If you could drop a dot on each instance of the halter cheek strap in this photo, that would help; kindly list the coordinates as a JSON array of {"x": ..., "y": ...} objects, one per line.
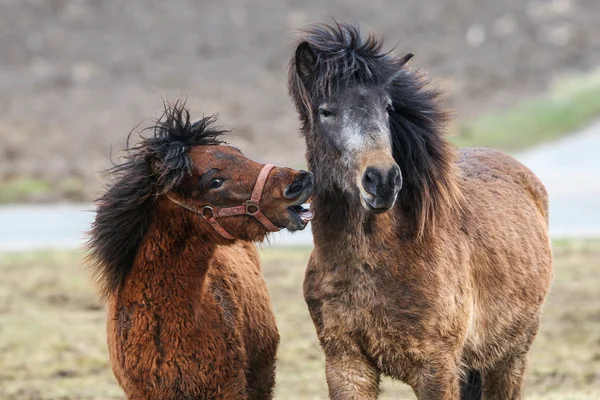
[{"x": 250, "y": 207}]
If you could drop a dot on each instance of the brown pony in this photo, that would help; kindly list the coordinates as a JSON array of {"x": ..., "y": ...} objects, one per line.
[
  {"x": 430, "y": 264},
  {"x": 189, "y": 316}
]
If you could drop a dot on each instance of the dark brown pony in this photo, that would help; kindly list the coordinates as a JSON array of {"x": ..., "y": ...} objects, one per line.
[
  {"x": 430, "y": 264},
  {"x": 189, "y": 316}
]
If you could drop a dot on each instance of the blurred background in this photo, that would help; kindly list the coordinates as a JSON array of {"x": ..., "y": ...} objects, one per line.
[{"x": 76, "y": 76}]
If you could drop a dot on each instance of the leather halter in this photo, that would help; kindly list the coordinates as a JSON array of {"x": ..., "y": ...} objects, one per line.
[{"x": 249, "y": 207}]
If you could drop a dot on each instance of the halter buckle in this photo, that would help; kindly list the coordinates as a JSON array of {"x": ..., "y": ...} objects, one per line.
[
  {"x": 251, "y": 207},
  {"x": 207, "y": 212}
]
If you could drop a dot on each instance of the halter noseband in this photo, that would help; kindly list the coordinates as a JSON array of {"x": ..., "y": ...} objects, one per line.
[{"x": 250, "y": 207}]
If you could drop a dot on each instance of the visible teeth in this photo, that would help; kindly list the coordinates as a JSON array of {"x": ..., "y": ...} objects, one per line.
[
  {"x": 303, "y": 212},
  {"x": 305, "y": 215}
]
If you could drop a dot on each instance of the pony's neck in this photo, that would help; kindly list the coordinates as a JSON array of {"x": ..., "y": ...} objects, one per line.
[
  {"x": 341, "y": 222},
  {"x": 173, "y": 259}
]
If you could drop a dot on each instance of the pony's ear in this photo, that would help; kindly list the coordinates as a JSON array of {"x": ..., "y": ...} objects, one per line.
[
  {"x": 401, "y": 62},
  {"x": 406, "y": 58},
  {"x": 306, "y": 61}
]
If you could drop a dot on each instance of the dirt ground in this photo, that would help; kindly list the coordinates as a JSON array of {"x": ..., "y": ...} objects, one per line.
[
  {"x": 53, "y": 342},
  {"x": 77, "y": 75}
]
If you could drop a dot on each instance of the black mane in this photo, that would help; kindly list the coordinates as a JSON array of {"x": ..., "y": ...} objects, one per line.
[
  {"x": 156, "y": 165},
  {"x": 342, "y": 57}
]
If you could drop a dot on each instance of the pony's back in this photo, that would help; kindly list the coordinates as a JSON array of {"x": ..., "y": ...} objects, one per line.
[{"x": 506, "y": 217}]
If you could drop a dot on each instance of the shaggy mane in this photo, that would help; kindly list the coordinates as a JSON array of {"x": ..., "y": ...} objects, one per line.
[
  {"x": 427, "y": 160},
  {"x": 154, "y": 166}
]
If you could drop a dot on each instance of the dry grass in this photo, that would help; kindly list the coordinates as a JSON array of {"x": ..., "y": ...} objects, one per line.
[{"x": 52, "y": 337}]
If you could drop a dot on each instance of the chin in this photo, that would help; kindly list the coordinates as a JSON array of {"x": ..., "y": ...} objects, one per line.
[
  {"x": 296, "y": 224},
  {"x": 366, "y": 204},
  {"x": 293, "y": 227}
]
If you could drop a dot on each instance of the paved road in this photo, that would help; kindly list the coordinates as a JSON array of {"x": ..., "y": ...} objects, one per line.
[
  {"x": 570, "y": 169},
  {"x": 24, "y": 227}
]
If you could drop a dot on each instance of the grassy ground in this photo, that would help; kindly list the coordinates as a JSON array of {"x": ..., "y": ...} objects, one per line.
[
  {"x": 35, "y": 189},
  {"x": 568, "y": 105},
  {"x": 52, "y": 338}
]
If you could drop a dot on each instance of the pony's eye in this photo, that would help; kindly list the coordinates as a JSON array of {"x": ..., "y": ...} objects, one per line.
[
  {"x": 215, "y": 183},
  {"x": 324, "y": 112},
  {"x": 389, "y": 107}
]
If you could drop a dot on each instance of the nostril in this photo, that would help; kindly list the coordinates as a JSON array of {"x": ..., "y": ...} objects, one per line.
[
  {"x": 369, "y": 178},
  {"x": 395, "y": 177},
  {"x": 295, "y": 188},
  {"x": 370, "y": 181}
]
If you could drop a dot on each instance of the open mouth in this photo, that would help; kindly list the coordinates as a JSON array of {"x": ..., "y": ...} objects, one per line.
[{"x": 301, "y": 213}]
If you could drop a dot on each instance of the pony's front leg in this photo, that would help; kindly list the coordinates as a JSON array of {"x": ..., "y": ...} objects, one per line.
[
  {"x": 505, "y": 380},
  {"x": 351, "y": 377},
  {"x": 438, "y": 381}
]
